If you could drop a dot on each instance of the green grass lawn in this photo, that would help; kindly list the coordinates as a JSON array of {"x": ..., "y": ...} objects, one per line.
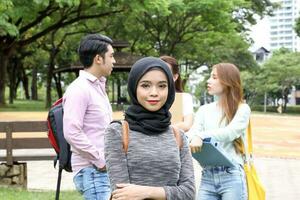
[
  {"x": 22, "y": 194},
  {"x": 24, "y": 105},
  {"x": 36, "y": 106}
]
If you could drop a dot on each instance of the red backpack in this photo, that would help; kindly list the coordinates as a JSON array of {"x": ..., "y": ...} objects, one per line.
[{"x": 58, "y": 141}]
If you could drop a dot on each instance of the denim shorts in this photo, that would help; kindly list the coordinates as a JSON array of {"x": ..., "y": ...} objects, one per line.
[
  {"x": 223, "y": 183},
  {"x": 92, "y": 184}
]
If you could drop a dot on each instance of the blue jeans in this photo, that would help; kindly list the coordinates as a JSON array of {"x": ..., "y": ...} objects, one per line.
[
  {"x": 92, "y": 184},
  {"x": 223, "y": 183}
]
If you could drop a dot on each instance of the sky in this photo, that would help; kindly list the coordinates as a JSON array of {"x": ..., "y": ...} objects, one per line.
[{"x": 260, "y": 34}]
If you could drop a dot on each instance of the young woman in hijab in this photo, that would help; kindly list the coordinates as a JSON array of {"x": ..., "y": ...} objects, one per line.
[
  {"x": 226, "y": 121},
  {"x": 154, "y": 167}
]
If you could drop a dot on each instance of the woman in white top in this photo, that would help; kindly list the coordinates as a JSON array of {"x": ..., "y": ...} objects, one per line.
[
  {"x": 225, "y": 121},
  {"x": 187, "y": 113}
]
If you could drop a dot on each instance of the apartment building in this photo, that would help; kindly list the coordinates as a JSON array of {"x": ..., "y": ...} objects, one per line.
[{"x": 282, "y": 24}]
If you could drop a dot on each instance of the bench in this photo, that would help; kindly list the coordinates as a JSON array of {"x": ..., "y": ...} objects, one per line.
[{"x": 19, "y": 140}]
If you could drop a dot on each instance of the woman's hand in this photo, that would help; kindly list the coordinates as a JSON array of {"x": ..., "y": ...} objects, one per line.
[
  {"x": 138, "y": 192},
  {"x": 196, "y": 144},
  {"x": 128, "y": 192}
]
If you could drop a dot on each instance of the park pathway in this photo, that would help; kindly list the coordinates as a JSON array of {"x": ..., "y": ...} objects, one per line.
[
  {"x": 276, "y": 146},
  {"x": 281, "y": 177}
]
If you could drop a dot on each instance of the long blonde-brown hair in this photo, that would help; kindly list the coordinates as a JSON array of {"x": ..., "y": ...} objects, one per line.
[{"x": 229, "y": 77}]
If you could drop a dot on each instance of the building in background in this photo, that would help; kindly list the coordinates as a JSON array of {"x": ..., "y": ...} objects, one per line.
[
  {"x": 282, "y": 24},
  {"x": 261, "y": 55},
  {"x": 274, "y": 32}
]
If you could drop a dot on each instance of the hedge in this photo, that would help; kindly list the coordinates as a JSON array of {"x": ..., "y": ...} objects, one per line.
[{"x": 289, "y": 109}]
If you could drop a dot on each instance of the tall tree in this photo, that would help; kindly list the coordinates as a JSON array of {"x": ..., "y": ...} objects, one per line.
[
  {"x": 23, "y": 23},
  {"x": 194, "y": 31},
  {"x": 280, "y": 73}
]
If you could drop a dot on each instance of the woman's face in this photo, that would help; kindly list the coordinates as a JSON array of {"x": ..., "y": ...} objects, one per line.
[
  {"x": 152, "y": 90},
  {"x": 214, "y": 86}
]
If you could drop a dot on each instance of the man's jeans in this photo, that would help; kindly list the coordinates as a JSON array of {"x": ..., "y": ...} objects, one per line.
[
  {"x": 226, "y": 183},
  {"x": 92, "y": 184}
]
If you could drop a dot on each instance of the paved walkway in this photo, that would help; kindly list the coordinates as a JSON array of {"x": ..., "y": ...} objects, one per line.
[
  {"x": 276, "y": 143},
  {"x": 281, "y": 177}
]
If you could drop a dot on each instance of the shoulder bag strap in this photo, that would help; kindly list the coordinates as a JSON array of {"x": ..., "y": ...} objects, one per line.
[{"x": 249, "y": 139}]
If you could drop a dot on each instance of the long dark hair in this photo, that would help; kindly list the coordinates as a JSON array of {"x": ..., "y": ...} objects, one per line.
[{"x": 175, "y": 70}]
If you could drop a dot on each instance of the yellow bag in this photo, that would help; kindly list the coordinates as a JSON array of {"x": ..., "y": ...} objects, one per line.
[{"x": 256, "y": 190}]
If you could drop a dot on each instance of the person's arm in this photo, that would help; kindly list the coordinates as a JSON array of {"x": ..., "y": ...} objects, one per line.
[
  {"x": 198, "y": 124},
  {"x": 188, "y": 113},
  {"x": 116, "y": 162},
  {"x": 186, "y": 124},
  {"x": 75, "y": 105},
  {"x": 233, "y": 130}
]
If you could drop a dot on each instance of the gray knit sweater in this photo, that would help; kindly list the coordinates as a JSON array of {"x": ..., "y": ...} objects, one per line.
[{"x": 151, "y": 160}]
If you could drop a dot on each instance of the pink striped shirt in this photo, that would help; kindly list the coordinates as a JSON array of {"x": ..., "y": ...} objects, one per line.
[{"x": 87, "y": 113}]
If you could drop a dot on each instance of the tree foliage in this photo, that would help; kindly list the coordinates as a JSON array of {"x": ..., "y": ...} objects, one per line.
[
  {"x": 297, "y": 26},
  {"x": 277, "y": 76},
  {"x": 194, "y": 31},
  {"x": 23, "y": 23}
]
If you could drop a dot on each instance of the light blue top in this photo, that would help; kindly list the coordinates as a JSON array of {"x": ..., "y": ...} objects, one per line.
[{"x": 207, "y": 124}]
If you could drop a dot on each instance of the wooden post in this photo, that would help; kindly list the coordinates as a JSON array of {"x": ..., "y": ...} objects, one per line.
[{"x": 9, "y": 157}]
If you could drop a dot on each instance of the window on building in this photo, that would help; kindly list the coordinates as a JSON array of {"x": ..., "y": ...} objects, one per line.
[
  {"x": 273, "y": 44},
  {"x": 259, "y": 57}
]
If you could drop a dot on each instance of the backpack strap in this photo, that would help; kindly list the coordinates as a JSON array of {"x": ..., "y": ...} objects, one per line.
[
  {"x": 125, "y": 133},
  {"x": 177, "y": 136},
  {"x": 125, "y": 137}
]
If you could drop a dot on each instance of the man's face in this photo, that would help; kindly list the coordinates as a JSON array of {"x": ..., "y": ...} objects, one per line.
[{"x": 107, "y": 63}]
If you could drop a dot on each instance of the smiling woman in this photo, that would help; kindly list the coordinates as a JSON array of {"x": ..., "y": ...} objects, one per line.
[
  {"x": 152, "y": 90},
  {"x": 139, "y": 173}
]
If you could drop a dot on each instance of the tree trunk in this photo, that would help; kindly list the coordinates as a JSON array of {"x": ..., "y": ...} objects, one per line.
[
  {"x": 58, "y": 85},
  {"x": 53, "y": 53},
  {"x": 48, "y": 83},
  {"x": 11, "y": 92},
  {"x": 3, "y": 74},
  {"x": 118, "y": 91},
  {"x": 285, "y": 99},
  {"x": 18, "y": 81},
  {"x": 12, "y": 71},
  {"x": 34, "y": 93},
  {"x": 24, "y": 80},
  {"x": 113, "y": 90}
]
